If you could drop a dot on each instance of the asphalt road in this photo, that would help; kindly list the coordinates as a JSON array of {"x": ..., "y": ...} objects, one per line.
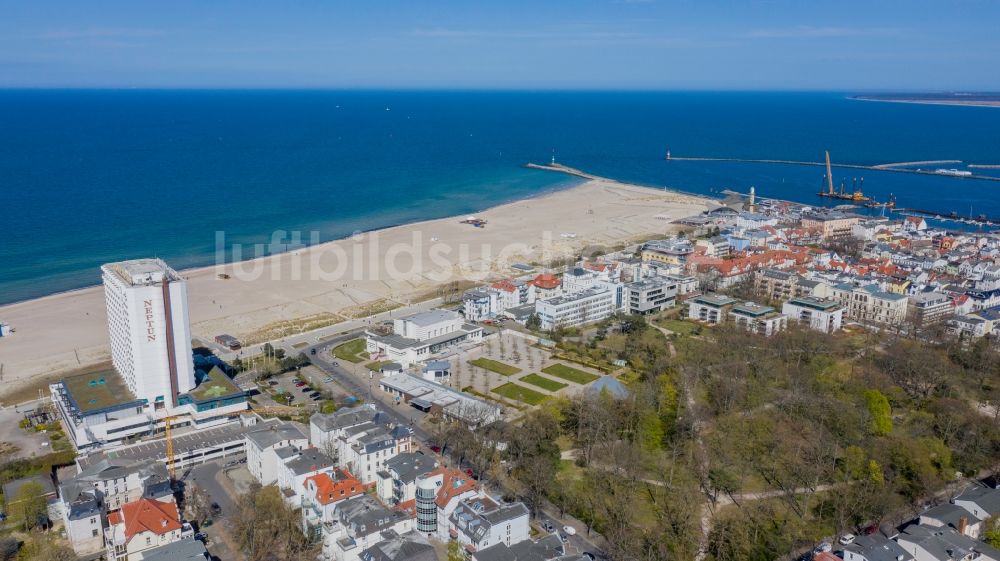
[
  {"x": 400, "y": 414},
  {"x": 575, "y": 544}
]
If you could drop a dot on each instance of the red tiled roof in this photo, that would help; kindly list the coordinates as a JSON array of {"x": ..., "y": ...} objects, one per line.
[
  {"x": 455, "y": 483},
  {"x": 504, "y": 285},
  {"x": 330, "y": 491},
  {"x": 146, "y": 515},
  {"x": 546, "y": 281}
]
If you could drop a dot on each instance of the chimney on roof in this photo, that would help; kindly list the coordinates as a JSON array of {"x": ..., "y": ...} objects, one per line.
[{"x": 963, "y": 525}]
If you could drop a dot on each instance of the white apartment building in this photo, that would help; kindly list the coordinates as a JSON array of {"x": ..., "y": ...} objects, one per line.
[
  {"x": 480, "y": 522},
  {"x": 755, "y": 318},
  {"x": 710, "y": 308},
  {"x": 149, "y": 330},
  {"x": 268, "y": 447},
  {"x": 436, "y": 497},
  {"x": 868, "y": 304},
  {"x": 929, "y": 308},
  {"x": 577, "y": 308},
  {"x": 358, "y": 523},
  {"x": 817, "y": 314},
  {"x": 650, "y": 295}
]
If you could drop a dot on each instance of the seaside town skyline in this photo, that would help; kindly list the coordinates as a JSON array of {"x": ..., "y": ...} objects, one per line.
[{"x": 624, "y": 280}]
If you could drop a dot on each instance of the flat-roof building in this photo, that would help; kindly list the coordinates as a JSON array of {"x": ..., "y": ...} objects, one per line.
[
  {"x": 419, "y": 337},
  {"x": 818, "y": 314},
  {"x": 710, "y": 308},
  {"x": 431, "y": 397},
  {"x": 755, "y": 318},
  {"x": 149, "y": 329},
  {"x": 577, "y": 308}
]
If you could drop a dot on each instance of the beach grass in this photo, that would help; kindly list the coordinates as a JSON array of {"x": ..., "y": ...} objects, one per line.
[
  {"x": 543, "y": 382},
  {"x": 495, "y": 366},
  {"x": 520, "y": 393},
  {"x": 350, "y": 351},
  {"x": 569, "y": 373}
]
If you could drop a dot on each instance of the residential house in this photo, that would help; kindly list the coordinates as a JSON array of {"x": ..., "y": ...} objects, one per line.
[
  {"x": 397, "y": 480},
  {"x": 395, "y": 547},
  {"x": 952, "y": 516},
  {"x": 944, "y": 544},
  {"x": 139, "y": 526},
  {"x": 322, "y": 492},
  {"x": 875, "y": 547},
  {"x": 480, "y": 522},
  {"x": 358, "y": 524},
  {"x": 269, "y": 446}
]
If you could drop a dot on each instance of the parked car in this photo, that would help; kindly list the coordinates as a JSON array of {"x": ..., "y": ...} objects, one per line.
[
  {"x": 563, "y": 538},
  {"x": 570, "y": 531},
  {"x": 272, "y": 382},
  {"x": 306, "y": 389},
  {"x": 299, "y": 384},
  {"x": 548, "y": 527},
  {"x": 435, "y": 448},
  {"x": 314, "y": 395},
  {"x": 846, "y": 539},
  {"x": 590, "y": 556},
  {"x": 312, "y": 351},
  {"x": 823, "y": 547},
  {"x": 201, "y": 536}
]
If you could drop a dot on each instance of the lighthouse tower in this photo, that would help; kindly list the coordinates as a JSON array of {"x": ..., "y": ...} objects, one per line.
[{"x": 753, "y": 197}]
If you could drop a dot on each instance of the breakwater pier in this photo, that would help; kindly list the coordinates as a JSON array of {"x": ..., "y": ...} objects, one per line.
[{"x": 898, "y": 167}]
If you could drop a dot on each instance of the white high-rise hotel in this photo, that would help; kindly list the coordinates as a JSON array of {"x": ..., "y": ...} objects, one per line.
[{"x": 149, "y": 329}]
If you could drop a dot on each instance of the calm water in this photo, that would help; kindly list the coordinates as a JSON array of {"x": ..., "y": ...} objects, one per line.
[{"x": 88, "y": 177}]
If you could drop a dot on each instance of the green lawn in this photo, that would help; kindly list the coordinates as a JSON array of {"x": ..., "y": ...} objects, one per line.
[
  {"x": 543, "y": 382},
  {"x": 679, "y": 327},
  {"x": 571, "y": 374},
  {"x": 377, "y": 365},
  {"x": 495, "y": 366},
  {"x": 350, "y": 351},
  {"x": 520, "y": 393}
]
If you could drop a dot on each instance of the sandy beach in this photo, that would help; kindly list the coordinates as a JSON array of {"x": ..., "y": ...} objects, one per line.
[{"x": 330, "y": 282}]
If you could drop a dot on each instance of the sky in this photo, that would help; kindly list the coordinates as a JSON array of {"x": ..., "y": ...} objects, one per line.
[{"x": 869, "y": 45}]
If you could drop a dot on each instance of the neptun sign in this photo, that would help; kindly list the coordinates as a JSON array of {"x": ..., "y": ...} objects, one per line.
[{"x": 150, "y": 323}]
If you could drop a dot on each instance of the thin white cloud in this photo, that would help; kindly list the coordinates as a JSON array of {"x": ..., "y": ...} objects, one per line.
[
  {"x": 99, "y": 33},
  {"x": 811, "y": 32}
]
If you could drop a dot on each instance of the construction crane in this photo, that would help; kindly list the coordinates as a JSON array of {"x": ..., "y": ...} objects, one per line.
[{"x": 168, "y": 431}]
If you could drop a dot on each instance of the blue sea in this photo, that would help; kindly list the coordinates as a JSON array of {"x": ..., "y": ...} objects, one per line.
[{"x": 91, "y": 176}]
